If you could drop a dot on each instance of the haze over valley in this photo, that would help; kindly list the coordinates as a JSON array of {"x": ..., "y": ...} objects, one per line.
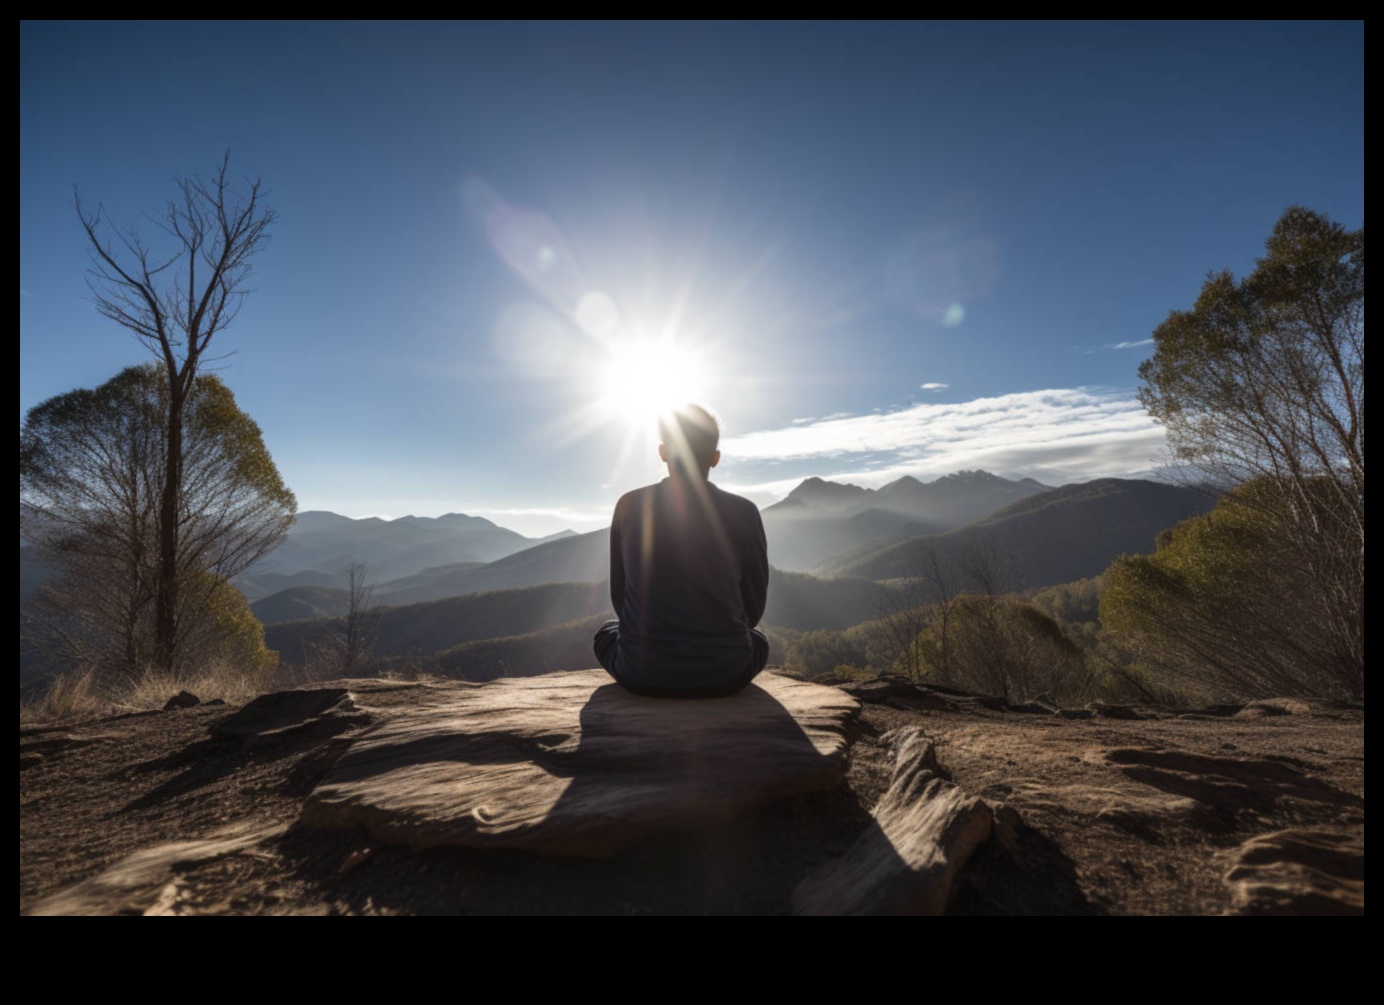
[{"x": 834, "y": 547}]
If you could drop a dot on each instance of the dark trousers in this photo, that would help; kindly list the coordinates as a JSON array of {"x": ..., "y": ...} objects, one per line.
[{"x": 606, "y": 646}]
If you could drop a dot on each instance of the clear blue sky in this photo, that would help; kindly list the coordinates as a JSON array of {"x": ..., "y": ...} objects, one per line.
[{"x": 477, "y": 222}]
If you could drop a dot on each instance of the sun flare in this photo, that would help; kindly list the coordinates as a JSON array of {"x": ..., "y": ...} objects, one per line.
[{"x": 641, "y": 380}]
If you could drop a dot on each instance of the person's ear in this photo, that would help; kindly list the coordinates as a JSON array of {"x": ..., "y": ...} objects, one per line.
[
  {"x": 716, "y": 458},
  {"x": 662, "y": 453}
]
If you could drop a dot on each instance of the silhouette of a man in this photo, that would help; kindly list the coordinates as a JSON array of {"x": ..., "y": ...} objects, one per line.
[{"x": 689, "y": 574}]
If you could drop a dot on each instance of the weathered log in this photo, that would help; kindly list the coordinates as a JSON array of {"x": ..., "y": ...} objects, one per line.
[{"x": 906, "y": 863}]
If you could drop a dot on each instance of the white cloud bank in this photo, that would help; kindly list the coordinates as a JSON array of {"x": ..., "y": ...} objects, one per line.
[
  {"x": 1056, "y": 436},
  {"x": 933, "y": 385}
]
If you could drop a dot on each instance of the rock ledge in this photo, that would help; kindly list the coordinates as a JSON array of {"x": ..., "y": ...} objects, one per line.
[{"x": 571, "y": 764}]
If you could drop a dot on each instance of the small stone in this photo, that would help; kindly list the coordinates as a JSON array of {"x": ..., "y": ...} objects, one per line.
[{"x": 183, "y": 699}]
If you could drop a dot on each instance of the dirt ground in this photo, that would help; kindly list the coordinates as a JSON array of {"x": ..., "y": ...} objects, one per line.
[{"x": 1174, "y": 812}]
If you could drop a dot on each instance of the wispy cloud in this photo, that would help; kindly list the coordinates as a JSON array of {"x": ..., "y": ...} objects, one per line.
[
  {"x": 1056, "y": 436},
  {"x": 1129, "y": 345},
  {"x": 932, "y": 385}
]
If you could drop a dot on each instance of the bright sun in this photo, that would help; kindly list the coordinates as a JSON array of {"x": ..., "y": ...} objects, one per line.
[{"x": 643, "y": 379}]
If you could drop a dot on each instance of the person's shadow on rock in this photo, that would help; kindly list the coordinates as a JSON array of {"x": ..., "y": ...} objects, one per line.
[{"x": 644, "y": 765}]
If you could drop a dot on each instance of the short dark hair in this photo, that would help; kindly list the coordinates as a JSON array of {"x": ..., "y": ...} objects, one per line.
[{"x": 690, "y": 433}]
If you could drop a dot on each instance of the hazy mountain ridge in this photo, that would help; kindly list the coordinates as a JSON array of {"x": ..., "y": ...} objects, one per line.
[
  {"x": 821, "y": 519},
  {"x": 441, "y": 624},
  {"x": 796, "y": 601},
  {"x": 1067, "y": 533},
  {"x": 327, "y": 544},
  {"x": 578, "y": 558},
  {"x": 300, "y": 603}
]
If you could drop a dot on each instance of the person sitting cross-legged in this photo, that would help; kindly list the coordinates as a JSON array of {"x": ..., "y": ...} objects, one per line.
[{"x": 689, "y": 575}]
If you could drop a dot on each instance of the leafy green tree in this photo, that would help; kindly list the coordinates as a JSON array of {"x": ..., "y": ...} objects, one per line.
[
  {"x": 1001, "y": 646},
  {"x": 175, "y": 301},
  {"x": 1263, "y": 380},
  {"x": 225, "y": 634},
  {"x": 91, "y": 483},
  {"x": 1225, "y": 609},
  {"x": 820, "y": 652}
]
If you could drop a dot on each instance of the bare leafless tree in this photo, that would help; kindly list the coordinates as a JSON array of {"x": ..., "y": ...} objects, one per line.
[
  {"x": 358, "y": 623},
  {"x": 175, "y": 303},
  {"x": 925, "y": 602},
  {"x": 345, "y": 644},
  {"x": 983, "y": 566},
  {"x": 905, "y": 609}
]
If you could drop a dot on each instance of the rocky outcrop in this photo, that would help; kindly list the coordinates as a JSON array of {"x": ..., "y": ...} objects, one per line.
[
  {"x": 1296, "y": 872},
  {"x": 147, "y": 882},
  {"x": 183, "y": 699},
  {"x": 907, "y": 862},
  {"x": 571, "y": 764}
]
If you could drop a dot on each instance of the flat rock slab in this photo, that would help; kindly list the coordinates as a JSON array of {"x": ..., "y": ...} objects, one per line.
[{"x": 571, "y": 764}]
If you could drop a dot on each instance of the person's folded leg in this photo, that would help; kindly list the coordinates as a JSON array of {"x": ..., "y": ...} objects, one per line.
[{"x": 605, "y": 644}]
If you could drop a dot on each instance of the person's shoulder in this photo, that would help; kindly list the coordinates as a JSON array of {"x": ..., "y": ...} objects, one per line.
[{"x": 634, "y": 498}]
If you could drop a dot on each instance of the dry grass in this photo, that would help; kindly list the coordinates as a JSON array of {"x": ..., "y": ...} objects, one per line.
[{"x": 83, "y": 694}]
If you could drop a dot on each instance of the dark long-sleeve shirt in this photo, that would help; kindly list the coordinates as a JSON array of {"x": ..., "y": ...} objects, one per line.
[{"x": 689, "y": 575}]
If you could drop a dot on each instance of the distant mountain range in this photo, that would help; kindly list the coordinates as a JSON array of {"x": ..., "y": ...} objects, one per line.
[
  {"x": 459, "y": 583},
  {"x": 834, "y": 530},
  {"x": 1058, "y": 536},
  {"x": 321, "y": 546},
  {"x": 415, "y": 559},
  {"x": 797, "y": 602},
  {"x": 441, "y": 624},
  {"x": 821, "y": 519}
]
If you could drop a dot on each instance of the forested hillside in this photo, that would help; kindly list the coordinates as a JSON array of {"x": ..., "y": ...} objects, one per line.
[{"x": 1068, "y": 533}]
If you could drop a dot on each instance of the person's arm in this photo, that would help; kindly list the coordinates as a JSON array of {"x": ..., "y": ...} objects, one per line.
[
  {"x": 754, "y": 577},
  {"x": 617, "y": 564}
]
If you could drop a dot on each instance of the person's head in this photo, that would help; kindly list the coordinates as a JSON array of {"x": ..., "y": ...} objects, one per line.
[{"x": 690, "y": 435}]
